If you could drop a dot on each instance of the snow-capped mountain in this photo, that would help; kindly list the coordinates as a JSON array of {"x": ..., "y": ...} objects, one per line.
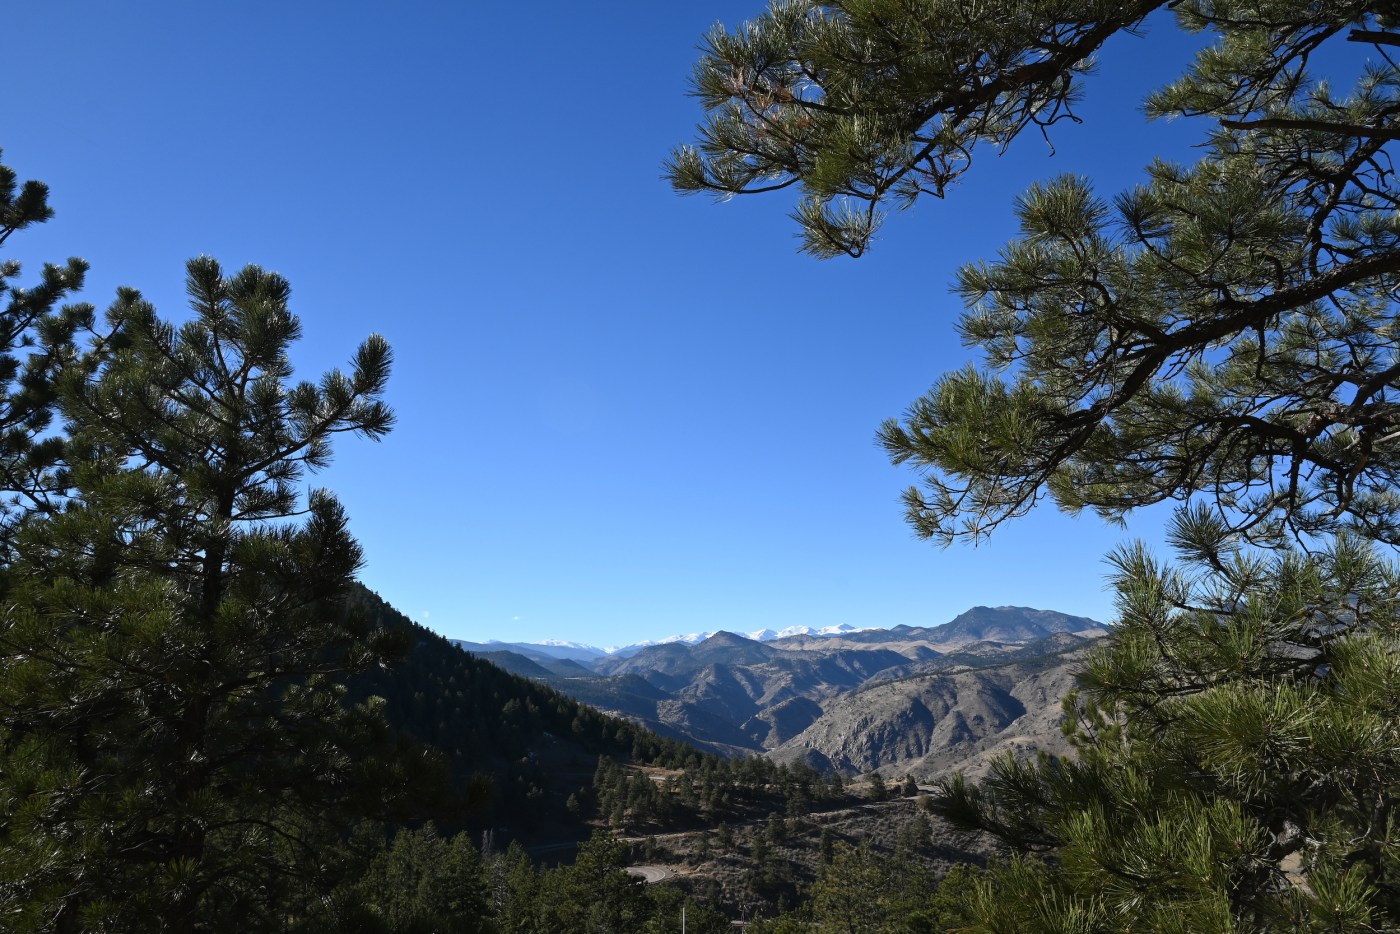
[
  {"x": 578, "y": 651},
  {"x": 840, "y": 630},
  {"x": 839, "y": 697},
  {"x": 759, "y": 635},
  {"x": 553, "y": 648}
]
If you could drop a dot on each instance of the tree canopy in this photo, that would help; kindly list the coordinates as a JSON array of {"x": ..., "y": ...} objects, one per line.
[
  {"x": 1221, "y": 336},
  {"x": 1237, "y": 759},
  {"x": 205, "y": 723},
  {"x": 36, "y": 340},
  {"x": 174, "y": 740},
  {"x": 1222, "y": 329}
]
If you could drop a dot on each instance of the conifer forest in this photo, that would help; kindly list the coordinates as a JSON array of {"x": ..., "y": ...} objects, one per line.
[{"x": 209, "y": 724}]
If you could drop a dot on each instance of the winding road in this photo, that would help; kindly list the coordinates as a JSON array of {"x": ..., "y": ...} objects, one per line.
[{"x": 650, "y": 874}]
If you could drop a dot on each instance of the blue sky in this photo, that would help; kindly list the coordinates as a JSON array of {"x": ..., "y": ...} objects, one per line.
[{"x": 622, "y": 413}]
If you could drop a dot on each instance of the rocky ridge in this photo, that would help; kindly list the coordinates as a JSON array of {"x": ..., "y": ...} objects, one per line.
[{"x": 922, "y": 700}]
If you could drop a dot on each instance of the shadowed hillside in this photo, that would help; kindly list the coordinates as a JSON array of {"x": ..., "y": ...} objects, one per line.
[{"x": 514, "y": 749}]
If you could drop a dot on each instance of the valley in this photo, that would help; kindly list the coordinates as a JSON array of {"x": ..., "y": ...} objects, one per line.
[
  {"x": 740, "y": 774},
  {"x": 921, "y": 700}
]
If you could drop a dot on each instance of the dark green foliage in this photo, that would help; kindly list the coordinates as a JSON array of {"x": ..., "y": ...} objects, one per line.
[
  {"x": 865, "y": 894},
  {"x": 914, "y": 836},
  {"x": 36, "y": 340},
  {"x": 515, "y": 889},
  {"x": 196, "y": 705},
  {"x": 708, "y": 789},
  {"x": 422, "y": 884},
  {"x": 703, "y": 847},
  {"x": 859, "y": 892},
  {"x": 1157, "y": 352},
  {"x": 196, "y": 701},
  {"x": 1239, "y": 757},
  {"x": 1222, "y": 336},
  {"x": 862, "y": 102},
  {"x": 507, "y": 741},
  {"x": 878, "y": 790},
  {"x": 425, "y": 883},
  {"x": 174, "y": 741},
  {"x": 665, "y": 914},
  {"x": 1223, "y": 329},
  {"x": 595, "y": 895},
  {"x": 955, "y": 890}
]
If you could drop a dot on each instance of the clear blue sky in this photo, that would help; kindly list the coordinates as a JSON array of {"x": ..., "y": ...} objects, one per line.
[{"x": 622, "y": 413}]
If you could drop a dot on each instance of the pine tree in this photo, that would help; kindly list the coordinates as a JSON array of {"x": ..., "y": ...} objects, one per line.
[
  {"x": 594, "y": 894},
  {"x": 826, "y": 846},
  {"x": 1222, "y": 330},
  {"x": 1221, "y": 336},
  {"x": 31, "y": 321},
  {"x": 861, "y": 893},
  {"x": 860, "y": 102},
  {"x": 703, "y": 847},
  {"x": 1238, "y": 757},
  {"x": 424, "y": 883},
  {"x": 176, "y": 751},
  {"x": 878, "y": 790},
  {"x": 517, "y": 898}
]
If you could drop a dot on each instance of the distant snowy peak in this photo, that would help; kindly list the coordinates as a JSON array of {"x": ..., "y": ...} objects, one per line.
[
  {"x": 554, "y": 648},
  {"x": 687, "y": 639},
  {"x": 561, "y": 644},
  {"x": 841, "y": 630},
  {"x": 578, "y": 651},
  {"x": 1008, "y": 624},
  {"x": 759, "y": 635}
]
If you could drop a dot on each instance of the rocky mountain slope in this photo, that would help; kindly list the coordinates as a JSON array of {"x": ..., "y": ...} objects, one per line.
[
  {"x": 918, "y": 699},
  {"x": 933, "y": 723}
]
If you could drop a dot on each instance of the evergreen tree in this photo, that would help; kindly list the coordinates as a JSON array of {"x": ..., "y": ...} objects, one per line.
[
  {"x": 914, "y": 836},
  {"x": 1221, "y": 336},
  {"x": 1222, "y": 329},
  {"x": 857, "y": 892},
  {"x": 516, "y": 897},
  {"x": 30, "y": 320},
  {"x": 1238, "y": 761},
  {"x": 424, "y": 883},
  {"x": 826, "y": 845},
  {"x": 594, "y": 894},
  {"x": 878, "y": 790},
  {"x": 175, "y": 747},
  {"x": 860, "y": 102},
  {"x": 703, "y": 847}
]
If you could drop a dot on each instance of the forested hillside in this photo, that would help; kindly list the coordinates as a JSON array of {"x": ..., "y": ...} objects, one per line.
[
  {"x": 514, "y": 750},
  {"x": 205, "y": 723},
  {"x": 208, "y": 726}
]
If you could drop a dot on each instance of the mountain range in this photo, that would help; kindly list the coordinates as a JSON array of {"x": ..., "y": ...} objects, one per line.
[
  {"x": 578, "y": 651},
  {"x": 906, "y": 699}
]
